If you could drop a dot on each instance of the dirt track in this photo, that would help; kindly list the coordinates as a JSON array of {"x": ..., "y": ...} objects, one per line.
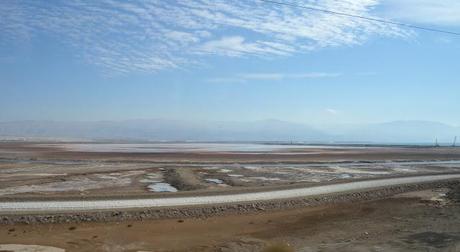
[
  {"x": 203, "y": 211},
  {"x": 121, "y": 204}
]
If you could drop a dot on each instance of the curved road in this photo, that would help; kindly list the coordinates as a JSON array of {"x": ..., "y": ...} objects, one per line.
[{"x": 116, "y": 204}]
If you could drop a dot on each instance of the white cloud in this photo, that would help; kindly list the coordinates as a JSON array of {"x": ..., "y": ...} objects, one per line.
[
  {"x": 313, "y": 75},
  {"x": 444, "y": 40},
  {"x": 226, "y": 80},
  {"x": 148, "y": 36},
  {"x": 436, "y": 12},
  {"x": 281, "y": 76},
  {"x": 236, "y": 46},
  {"x": 182, "y": 38},
  {"x": 331, "y": 111},
  {"x": 262, "y": 76},
  {"x": 246, "y": 77}
]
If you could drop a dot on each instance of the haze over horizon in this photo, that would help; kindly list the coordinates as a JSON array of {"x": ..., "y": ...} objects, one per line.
[{"x": 402, "y": 132}]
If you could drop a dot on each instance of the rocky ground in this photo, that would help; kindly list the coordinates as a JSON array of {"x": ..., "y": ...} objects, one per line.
[{"x": 221, "y": 209}]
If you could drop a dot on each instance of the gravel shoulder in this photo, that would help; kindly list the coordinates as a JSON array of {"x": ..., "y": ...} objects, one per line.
[
  {"x": 408, "y": 222},
  {"x": 85, "y": 211},
  {"x": 120, "y": 204}
]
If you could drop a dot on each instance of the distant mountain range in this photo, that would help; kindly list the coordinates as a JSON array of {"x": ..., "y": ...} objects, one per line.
[{"x": 265, "y": 130}]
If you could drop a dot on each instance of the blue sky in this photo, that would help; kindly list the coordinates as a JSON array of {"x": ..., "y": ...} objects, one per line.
[{"x": 228, "y": 60}]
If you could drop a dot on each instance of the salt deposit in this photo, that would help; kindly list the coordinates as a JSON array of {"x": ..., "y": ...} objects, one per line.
[
  {"x": 28, "y": 248},
  {"x": 161, "y": 187},
  {"x": 215, "y": 181}
]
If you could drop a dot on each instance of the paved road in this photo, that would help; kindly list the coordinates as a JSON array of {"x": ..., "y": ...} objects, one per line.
[{"x": 114, "y": 204}]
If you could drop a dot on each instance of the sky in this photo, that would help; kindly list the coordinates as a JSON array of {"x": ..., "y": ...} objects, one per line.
[{"x": 229, "y": 60}]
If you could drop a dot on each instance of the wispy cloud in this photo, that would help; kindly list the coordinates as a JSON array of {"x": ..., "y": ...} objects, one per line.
[
  {"x": 281, "y": 76},
  {"x": 238, "y": 46},
  {"x": 246, "y": 77},
  {"x": 262, "y": 76},
  {"x": 331, "y": 111},
  {"x": 148, "y": 36},
  {"x": 445, "y": 12},
  {"x": 225, "y": 80}
]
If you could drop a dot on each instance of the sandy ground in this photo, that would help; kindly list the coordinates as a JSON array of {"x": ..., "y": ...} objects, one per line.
[{"x": 416, "y": 221}]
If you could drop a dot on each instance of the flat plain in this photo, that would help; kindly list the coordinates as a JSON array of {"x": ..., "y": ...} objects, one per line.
[{"x": 426, "y": 219}]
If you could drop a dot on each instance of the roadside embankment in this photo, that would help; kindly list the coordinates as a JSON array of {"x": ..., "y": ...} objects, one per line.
[{"x": 359, "y": 193}]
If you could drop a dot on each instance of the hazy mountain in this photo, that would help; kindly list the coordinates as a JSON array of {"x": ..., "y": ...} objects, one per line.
[
  {"x": 159, "y": 129},
  {"x": 265, "y": 130},
  {"x": 402, "y": 132}
]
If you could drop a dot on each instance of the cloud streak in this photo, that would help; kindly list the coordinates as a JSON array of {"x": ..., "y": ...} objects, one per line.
[
  {"x": 331, "y": 111},
  {"x": 149, "y": 36},
  {"x": 247, "y": 77},
  {"x": 445, "y": 12}
]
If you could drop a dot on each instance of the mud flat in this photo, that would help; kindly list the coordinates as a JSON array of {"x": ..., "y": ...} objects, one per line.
[
  {"x": 414, "y": 215},
  {"x": 241, "y": 153},
  {"x": 106, "y": 170}
]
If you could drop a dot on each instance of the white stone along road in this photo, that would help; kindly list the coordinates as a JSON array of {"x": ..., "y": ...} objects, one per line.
[{"x": 56, "y": 206}]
